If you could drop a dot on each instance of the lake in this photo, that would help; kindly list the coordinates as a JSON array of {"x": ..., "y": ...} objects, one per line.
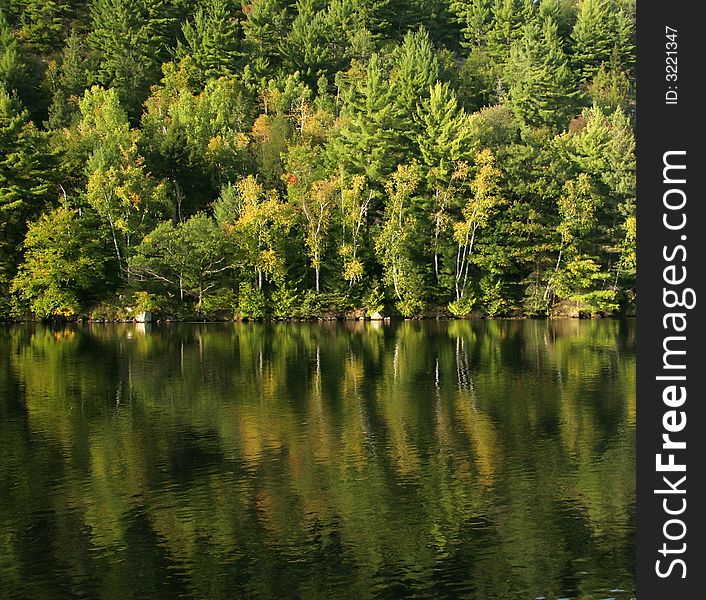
[{"x": 462, "y": 459}]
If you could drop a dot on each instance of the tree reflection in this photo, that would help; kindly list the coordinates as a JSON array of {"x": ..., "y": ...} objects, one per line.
[{"x": 287, "y": 459}]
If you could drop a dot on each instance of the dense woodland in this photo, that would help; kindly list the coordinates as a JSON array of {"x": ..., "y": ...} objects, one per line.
[{"x": 282, "y": 158}]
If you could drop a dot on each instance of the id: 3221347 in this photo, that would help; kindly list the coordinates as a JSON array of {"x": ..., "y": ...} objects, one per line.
[{"x": 670, "y": 65}]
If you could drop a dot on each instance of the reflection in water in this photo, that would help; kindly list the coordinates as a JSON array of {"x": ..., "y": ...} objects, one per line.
[{"x": 435, "y": 460}]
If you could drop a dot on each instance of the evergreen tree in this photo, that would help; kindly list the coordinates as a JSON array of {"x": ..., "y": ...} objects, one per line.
[
  {"x": 508, "y": 19},
  {"x": 475, "y": 17},
  {"x": 308, "y": 49},
  {"x": 69, "y": 81},
  {"x": 212, "y": 40},
  {"x": 264, "y": 27},
  {"x": 367, "y": 140},
  {"x": 444, "y": 132},
  {"x": 26, "y": 166},
  {"x": 12, "y": 69},
  {"x": 602, "y": 33},
  {"x": 42, "y": 23},
  {"x": 127, "y": 58},
  {"x": 415, "y": 70},
  {"x": 541, "y": 87}
]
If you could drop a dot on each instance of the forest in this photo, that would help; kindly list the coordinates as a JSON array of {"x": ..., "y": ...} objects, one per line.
[{"x": 215, "y": 159}]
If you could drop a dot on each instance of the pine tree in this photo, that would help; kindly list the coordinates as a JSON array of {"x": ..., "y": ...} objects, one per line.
[
  {"x": 415, "y": 70},
  {"x": 475, "y": 17},
  {"x": 43, "y": 23},
  {"x": 508, "y": 19},
  {"x": 212, "y": 40},
  {"x": 68, "y": 83},
  {"x": 542, "y": 91},
  {"x": 444, "y": 136},
  {"x": 264, "y": 27},
  {"x": 310, "y": 48},
  {"x": 601, "y": 33},
  {"x": 128, "y": 58},
  {"x": 12, "y": 69},
  {"x": 367, "y": 140},
  {"x": 25, "y": 181}
]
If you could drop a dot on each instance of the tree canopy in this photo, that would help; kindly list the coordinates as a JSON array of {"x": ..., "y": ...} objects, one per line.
[{"x": 280, "y": 158}]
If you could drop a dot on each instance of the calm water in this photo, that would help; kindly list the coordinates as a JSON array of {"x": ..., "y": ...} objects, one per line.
[{"x": 486, "y": 460}]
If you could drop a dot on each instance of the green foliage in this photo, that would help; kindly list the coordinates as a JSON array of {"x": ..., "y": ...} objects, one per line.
[
  {"x": 374, "y": 301},
  {"x": 212, "y": 40},
  {"x": 128, "y": 60},
  {"x": 603, "y": 33},
  {"x": 189, "y": 259},
  {"x": 285, "y": 302},
  {"x": 12, "y": 69},
  {"x": 394, "y": 242},
  {"x": 444, "y": 135},
  {"x": 368, "y": 137},
  {"x": 251, "y": 302},
  {"x": 63, "y": 265},
  {"x": 582, "y": 282},
  {"x": 463, "y": 306},
  {"x": 407, "y": 154},
  {"x": 541, "y": 90},
  {"x": 26, "y": 165}
]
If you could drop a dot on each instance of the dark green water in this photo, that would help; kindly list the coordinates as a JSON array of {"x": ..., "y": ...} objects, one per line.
[{"x": 488, "y": 460}]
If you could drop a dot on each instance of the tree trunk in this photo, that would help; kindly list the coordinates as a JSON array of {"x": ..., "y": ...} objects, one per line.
[{"x": 556, "y": 268}]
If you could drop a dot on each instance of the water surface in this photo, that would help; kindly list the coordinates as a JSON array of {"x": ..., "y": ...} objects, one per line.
[{"x": 485, "y": 460}]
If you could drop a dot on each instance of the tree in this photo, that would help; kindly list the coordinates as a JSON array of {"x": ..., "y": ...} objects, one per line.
[
  {"x": 264, "y": 27},
  {"x": 542, "y": 91},
  {"x": 69, "y": 78},
  {"x": 26, "y": 166},
  {"x": 199, "y": 141},
  {"x": 414, "y": 71},
  {"x": 603, "y": 33},
  {"x": 64, "y": 264},
  {"x": 444, "y": 133},
  {"x": 578, "y": 206},
  {"x": 128, "y": 59},
  {"x": 486, "y": 197},
  {"x": 118, "y": 186},
  {"x": 12, "y": 69},
  {"x": 509, "y": 17},
  {"x": 317, "y": 207},
  {"x": 355, "y": 201},
  {"x": 191, "y": 257},
  {"x": 366, "y": 140},
  {"x": 212, "y": 41},
  {"x": 308, "y": 49},
  {"x": 475, "y": 17},
  {"x": 43, "y": 24},
  {"x": 395, "y": 239},
  {"x": 259, "y": 223}
]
